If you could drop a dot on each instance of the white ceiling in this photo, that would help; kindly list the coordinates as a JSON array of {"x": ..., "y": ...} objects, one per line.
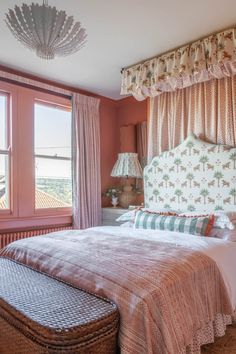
[{"x": 120, "y": 33}]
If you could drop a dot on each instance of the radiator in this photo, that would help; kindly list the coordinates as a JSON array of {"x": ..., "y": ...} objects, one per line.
[{"x": 9, "y": 237}]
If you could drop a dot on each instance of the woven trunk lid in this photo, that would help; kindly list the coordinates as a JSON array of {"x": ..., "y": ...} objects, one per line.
[{"x": 50, "y": 312}]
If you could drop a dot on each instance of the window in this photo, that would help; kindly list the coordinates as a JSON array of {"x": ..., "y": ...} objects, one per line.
[
  {"x": 52, "y": 145},
  {"x": 4, "y": 153},
  {"x": 35, "y": 159}
]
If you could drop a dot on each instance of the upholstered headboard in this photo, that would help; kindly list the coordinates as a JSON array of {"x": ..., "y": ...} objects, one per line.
[{"x": 196, "y": 175}]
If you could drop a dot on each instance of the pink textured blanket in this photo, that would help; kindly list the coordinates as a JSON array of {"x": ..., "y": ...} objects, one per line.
[{"x": 164, "y": 292}]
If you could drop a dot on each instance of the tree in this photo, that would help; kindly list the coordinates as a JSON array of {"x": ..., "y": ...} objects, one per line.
[
  {"x": 146, "y": 178},
  {"x": 177, "y": 162},
  {"x": 218, "y": 175},
  {"x": 178, "y": 193},
  {"x": 156, "y": 193},
  {"x": 167, "y": 206},
  {"x": 233, "y": 158},
  {"x": 204, "y": 193},
  {"x": 233, "y": 193},
  {"x": 189, "y": 145},
  {"x": 155, "y": 164},
  {"x": 203, "y": 159},
  {"x": 166, "y": 179},
  {"x": 191, "y": 208},
  {"x": 218, "y": 207},
  {"x": 190, "y": 177}
]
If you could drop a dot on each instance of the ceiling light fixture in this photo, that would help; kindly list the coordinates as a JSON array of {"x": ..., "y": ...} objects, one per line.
[{"x": 44, "y": 29}]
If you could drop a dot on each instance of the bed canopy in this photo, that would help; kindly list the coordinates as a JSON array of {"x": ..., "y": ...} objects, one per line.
[{"x": 211, "y": 57}]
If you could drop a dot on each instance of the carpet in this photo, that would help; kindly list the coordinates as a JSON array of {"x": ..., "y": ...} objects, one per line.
[{"x": 223, "y": 345}]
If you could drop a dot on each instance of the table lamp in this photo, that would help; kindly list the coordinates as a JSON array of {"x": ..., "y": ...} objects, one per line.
[{"x": 127, "y": 165}]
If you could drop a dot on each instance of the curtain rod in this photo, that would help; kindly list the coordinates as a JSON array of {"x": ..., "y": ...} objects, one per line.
[{"x": 176, "y": 48}]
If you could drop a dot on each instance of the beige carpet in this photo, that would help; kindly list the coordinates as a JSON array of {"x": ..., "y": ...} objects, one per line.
[{"x": 223, "y": 345}]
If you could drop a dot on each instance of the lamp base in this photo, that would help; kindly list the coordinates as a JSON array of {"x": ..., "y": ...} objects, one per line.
[{"x": 127, "y": 197}]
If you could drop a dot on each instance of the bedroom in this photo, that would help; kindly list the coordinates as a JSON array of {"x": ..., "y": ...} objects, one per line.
[{"x": 138, "y": 108}]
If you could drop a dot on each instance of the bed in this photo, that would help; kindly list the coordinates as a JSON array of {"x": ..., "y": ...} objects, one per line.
[{"x": 174, "y": 291}]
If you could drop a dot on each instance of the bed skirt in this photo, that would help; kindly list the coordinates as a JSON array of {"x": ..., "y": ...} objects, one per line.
[{"x": 207, "y": 334}]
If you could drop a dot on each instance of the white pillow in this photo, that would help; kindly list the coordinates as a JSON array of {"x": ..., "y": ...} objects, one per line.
[
  {"x": 223, "y": 220},
  {"x": 130, "y": 215},
  {"x": 129, "y": 224},
  {"x": 224, "y": 234}
]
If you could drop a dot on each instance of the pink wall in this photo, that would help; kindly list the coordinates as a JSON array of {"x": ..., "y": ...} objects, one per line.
[
  {"x": 124, "y": 112},
  {"x": 109, "y": 144},
  {"x": 129, "y": 113},
  {"x": 113, "y": 115}
]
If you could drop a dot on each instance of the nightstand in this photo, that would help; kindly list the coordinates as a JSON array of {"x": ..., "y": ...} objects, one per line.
[{"x": 109, "y": 216}]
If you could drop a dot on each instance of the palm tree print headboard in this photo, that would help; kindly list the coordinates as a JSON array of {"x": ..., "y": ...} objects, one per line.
[{"x": 195, "y": 176}]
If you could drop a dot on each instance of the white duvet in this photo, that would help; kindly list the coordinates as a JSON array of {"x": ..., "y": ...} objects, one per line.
[{"x": 221, "y": 251}]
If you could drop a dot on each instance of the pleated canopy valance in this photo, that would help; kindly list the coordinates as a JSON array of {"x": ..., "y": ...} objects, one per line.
[{"x": 211, "y": 57}]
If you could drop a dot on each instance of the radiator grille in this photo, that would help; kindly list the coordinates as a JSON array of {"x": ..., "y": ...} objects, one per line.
[{"x": 9, "y": 237}]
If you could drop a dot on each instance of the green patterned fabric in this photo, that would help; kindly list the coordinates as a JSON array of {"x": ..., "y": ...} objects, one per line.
[
  {"x": 195, "y": 176},
  {"x": 200, "y": 226}
]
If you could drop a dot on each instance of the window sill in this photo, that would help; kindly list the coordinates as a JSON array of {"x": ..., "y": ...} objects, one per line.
[{"x": 18, "y": 224}]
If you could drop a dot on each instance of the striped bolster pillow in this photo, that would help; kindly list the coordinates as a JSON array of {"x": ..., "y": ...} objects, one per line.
[{"x": 200, "y": 226}]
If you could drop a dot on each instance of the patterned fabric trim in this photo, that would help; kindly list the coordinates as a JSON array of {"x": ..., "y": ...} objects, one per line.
[
  {"x": 203, "y": 60},
  {"x": 200, "y": 226},
  {"x": 207, "y": 334}
]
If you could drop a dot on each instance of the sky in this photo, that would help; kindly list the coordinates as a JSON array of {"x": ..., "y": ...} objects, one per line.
[{"x": 52, "y": 137}]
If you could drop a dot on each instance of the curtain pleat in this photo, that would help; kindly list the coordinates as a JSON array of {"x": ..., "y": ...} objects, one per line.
[
  {"x": 207, "y": 109},
  {"x": 141, "y": 132},
  {"x": 86, "y": 162}
]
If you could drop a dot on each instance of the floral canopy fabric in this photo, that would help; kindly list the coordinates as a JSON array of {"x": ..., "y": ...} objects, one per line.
[{"x": 211, "y": 57}]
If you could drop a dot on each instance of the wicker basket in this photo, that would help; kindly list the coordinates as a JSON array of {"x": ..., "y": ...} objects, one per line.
[{"x": 39, "y": 315}]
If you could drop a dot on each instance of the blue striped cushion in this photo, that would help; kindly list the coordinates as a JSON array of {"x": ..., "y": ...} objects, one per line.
[{"x": 200, "y": 226}]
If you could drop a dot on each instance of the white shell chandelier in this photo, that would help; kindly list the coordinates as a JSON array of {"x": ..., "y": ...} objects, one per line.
[{"x": 44, "y": 29}]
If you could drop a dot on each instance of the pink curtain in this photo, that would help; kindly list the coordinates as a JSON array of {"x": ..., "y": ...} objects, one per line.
[
  {"x": 207, "y": 109},
  {"x": 141, "y": 132},
  {"x": 86, "y": 162}
]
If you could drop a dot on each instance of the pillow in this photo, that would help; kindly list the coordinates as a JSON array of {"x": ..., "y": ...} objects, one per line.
[
  {"x": 130, "y": 215},
  {"x": 191, "y": 225},
  {"x": 129, "y": 224},
  {"x": 223, "y": 220},
  {"x": 224, "y": 234}
]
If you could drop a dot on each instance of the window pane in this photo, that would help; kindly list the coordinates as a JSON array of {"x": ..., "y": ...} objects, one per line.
[
  {"x": 4, "y": 178},
  {"x": 52, "y": 131},
  {"x": 53, "y": 183},
  {"x": 3, "y": 123},
  {"x": 52, "y": 134}
]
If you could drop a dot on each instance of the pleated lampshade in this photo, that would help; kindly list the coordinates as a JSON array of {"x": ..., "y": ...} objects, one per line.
[{"x": 127, "y": 165}]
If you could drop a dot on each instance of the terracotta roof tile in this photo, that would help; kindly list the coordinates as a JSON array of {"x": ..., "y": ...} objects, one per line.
[{"x": 43, "y": 200}]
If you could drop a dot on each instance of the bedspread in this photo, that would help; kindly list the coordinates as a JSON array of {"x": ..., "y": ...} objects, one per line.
[{"x": 164, "y": 291}]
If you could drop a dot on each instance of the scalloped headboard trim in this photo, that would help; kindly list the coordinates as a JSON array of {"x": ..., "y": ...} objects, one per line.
[{"x": 194, "y": 176}]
